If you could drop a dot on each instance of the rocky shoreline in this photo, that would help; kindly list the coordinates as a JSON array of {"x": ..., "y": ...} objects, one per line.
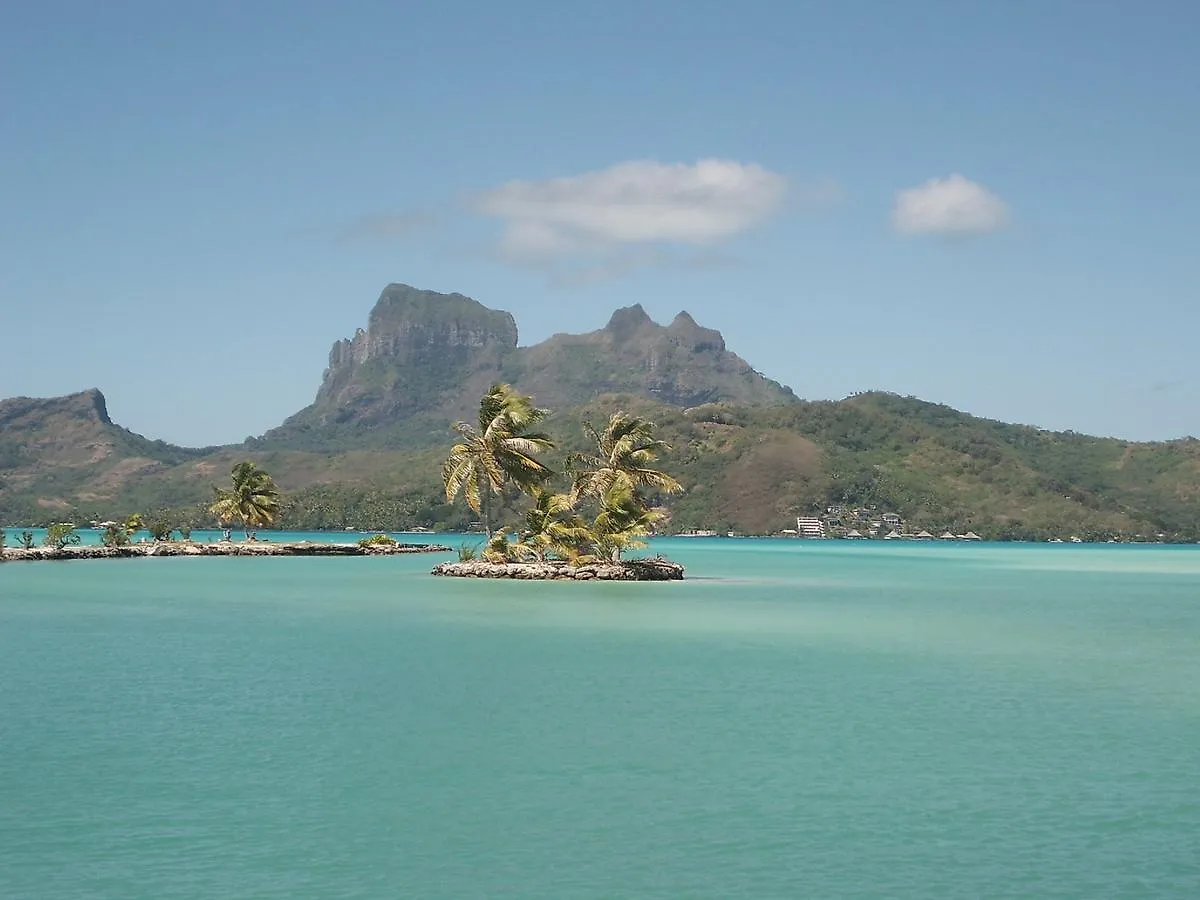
[
  {"x": 221, "y": 548},
  {"x": 628, "y": 570}
]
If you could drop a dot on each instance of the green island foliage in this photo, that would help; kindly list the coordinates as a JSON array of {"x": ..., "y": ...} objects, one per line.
[
  {"x": 252, "y": 499},
  {"x": 160, "y": 529},
  {"x": 60, "y": 535},
  {"x": 606, "y": 510},
  {"x": 114, "y": 535},
  {"x": 745, "y": 469},
  {"x": 378, "y": 540},
  {"x": 750, "y": 456}
]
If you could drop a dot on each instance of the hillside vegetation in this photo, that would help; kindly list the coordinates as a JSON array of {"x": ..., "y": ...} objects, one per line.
[
  {"x": 745, "y": 469},
  {"x": 750, "y": 455}
]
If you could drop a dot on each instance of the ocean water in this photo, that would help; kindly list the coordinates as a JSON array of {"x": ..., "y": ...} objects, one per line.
[{"x": 796, "y": 720}]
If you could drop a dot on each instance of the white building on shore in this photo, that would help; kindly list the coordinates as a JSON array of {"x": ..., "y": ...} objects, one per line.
[{"x": 810, "y": 527}]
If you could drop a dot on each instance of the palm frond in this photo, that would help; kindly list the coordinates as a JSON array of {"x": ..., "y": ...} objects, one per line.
[
  {"x": 527, "y": 444},
  {"x": 470, "y": 490}
]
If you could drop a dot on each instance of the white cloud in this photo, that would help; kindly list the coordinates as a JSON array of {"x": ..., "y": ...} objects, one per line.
[
  {"x": 634, "y": 203},
  {"x": 953, "y": 205}
]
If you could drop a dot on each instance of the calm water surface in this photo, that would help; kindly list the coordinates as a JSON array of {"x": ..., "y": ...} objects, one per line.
[{"x": 798, "y": 720}]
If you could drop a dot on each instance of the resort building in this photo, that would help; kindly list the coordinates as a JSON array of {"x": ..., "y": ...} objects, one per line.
[{"x": 810, "y": 527}]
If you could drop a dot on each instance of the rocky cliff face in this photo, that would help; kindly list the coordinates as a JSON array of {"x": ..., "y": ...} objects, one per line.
[
  {"x": 683, "y": 364},
  {"x": 30, "y": 413},
  {"x": 425, "y": 358},
  {"x": 418, "y": 349},
  {"x": 413, "y": 327}
]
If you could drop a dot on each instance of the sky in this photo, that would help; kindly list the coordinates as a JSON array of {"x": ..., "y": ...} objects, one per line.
[{"x": 993, "y": 206}]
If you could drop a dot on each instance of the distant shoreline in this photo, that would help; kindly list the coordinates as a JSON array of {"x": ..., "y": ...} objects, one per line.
[{"x": 220, "y": 548}]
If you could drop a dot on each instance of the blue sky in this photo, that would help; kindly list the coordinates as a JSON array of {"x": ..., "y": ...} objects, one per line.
[{"x": 988, "y": 205}]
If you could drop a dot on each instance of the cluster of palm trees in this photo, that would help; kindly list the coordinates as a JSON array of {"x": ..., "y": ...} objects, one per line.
[{"x": 603, "y": 513}]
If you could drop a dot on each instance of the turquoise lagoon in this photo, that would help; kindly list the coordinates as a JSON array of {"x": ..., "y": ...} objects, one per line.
[{"x": 796, "y": 720}]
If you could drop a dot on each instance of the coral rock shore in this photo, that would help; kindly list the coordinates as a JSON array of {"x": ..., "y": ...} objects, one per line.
[
  {"x": 629, "y": 570},
  {"x": 222, "y": 548}
]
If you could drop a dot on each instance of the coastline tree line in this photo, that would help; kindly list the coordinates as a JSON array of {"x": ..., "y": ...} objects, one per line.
[
  {"x": 251, "y": 501},
  {"x": 603, "y": 508},
  {"x": 747, "y": 471}
]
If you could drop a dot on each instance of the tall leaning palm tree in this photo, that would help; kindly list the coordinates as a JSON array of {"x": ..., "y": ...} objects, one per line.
[
  {"x": 253, "y": 498},
  {"x": 626, "y": 450},
  {"x": 496, "y": 452}
]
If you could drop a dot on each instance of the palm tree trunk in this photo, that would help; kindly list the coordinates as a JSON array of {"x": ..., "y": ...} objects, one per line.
[{"x": 485, "y": 505}]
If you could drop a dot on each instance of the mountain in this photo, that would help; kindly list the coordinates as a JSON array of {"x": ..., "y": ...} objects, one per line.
[
  {"x": 749, "y": 469},
  {"x": 419, "y": 351},
  {"x": 682, "y": 364},
  {"x": 750, "y": 455},
  {"x": 424, "y": 356},
  {"x": 58, "y": 453}
]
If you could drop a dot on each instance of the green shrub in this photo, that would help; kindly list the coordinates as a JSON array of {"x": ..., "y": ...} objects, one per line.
[
  {"x": 500, "y": 549},
  {"x": 378, "y": 540},
  {"x": 26, "y": 540},
  {"x": 114, "y": 535},
  {"x": 160, "y": 529},
  {"x": 467, "y": 554},
  {"x": 60, "y": 535},
  {"x": 185, "y": 532}
]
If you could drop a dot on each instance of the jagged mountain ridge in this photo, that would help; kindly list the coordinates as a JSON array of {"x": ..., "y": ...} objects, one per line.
[
  {"x": 749, "y": 453},
  {"x": 425, "y": 357},
  {"x": 681, "y": 364}
]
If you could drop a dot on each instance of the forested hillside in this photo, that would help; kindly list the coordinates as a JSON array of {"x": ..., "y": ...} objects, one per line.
[{"x": 745, "y": 469}]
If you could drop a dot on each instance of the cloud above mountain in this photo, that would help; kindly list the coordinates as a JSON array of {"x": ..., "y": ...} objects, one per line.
[
  {"x": 631, "y": 204},
  {"x": 954, "y": 205}
]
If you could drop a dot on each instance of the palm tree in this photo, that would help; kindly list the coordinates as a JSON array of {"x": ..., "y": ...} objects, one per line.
[
  {"x": 623, "y": 462},
  {"x": 134, "y": 524},
  {"x": 253, "y": 499},
  {"x": 497, "y": 452},
  {"x": 499, "y": 549},
  {"x": 622, "y": 522},
  {"x": 549, "y": 528}
]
